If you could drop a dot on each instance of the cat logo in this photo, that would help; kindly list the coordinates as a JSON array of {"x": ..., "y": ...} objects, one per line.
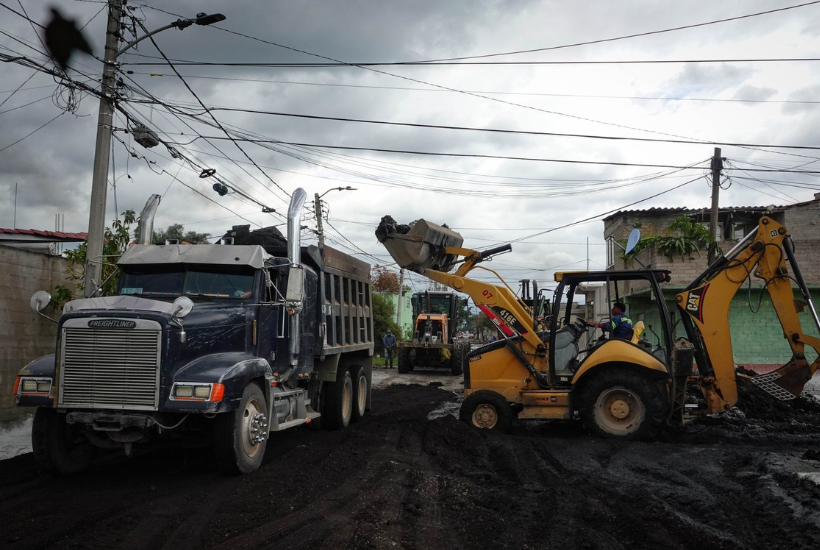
[{"x": 694, "y": 302}]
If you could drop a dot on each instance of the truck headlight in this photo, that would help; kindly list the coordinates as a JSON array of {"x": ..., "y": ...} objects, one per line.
[
  {"x": 191, "y": 391},
  {"x": 34, "y": 385}
]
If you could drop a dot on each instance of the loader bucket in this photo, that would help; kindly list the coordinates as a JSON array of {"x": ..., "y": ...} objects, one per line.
[
  {"x": 786, "y": 382},
  {"x": 420, "y": 245}
]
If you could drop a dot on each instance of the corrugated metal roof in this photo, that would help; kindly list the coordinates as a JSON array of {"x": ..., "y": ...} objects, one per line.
[
  {"x": 38, "y": 235},
  {"x": 665, "y": 210}
]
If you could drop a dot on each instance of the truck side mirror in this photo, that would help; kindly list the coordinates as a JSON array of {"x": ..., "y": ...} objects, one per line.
[
  {"x": 296, "y": 285},
  {"x": 39, "y": 301}
]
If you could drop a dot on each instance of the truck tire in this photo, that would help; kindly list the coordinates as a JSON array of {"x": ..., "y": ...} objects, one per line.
[
  {"x": 487, "y": 409},
  {"x": 457, "y": 360},
  {"x": 240, "y": 436},
  {"x": 59, "y": 447},
  {"x": 404, "y": 361},
  {"x": 337, "y": 401},
  {"x": 622, "y": 404},
  {"x": 360, "y": 391}
]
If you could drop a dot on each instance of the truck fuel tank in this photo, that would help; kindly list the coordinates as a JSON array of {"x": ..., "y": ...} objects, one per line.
[{"x": 419, "y": 245}]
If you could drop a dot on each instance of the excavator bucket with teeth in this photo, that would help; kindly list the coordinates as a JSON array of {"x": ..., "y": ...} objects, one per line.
[{"x": 419, "y": 245}]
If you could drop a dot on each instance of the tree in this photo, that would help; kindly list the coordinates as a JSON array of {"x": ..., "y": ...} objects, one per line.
[
  {"x": 384, "y": 280},
  {"x": 176, "y": 232},
  {"x": 116, "y": 241},
  {"x": 690, "y": 237},
  {"x": 384, "y": 319}
]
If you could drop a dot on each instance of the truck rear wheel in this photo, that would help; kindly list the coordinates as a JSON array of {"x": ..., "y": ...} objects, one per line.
[
  {"x": 457, "y": 360},
  {"x": 59, "y": 447},
  {"x": 622, "y": 404},
  {"x": 337, "y": 401},
  {"x": 240, "y": 436},
  {"x": 359, "y": 393},
  {"x": 487, "y": 409},
  {"x": 404, "y": 361}
]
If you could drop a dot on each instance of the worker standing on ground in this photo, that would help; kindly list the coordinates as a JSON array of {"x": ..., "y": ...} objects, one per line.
[
  {"x": 389, "y": 341},
  {"x": 619, "y": 325}
]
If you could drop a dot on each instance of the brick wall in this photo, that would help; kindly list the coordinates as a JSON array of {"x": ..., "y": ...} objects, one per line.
[{"x": 24, "y": 335}]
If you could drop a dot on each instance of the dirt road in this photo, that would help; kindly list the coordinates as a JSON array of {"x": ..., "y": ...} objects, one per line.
[{"x": 398, "y": 480}]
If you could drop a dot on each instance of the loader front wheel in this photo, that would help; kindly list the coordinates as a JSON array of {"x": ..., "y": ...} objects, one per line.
[
  {"x": 457, "y": 360},
  {"x": 404, "y": 361},
  {"x": 487, "y": 409},
  {"x": 622, "y": 404}
]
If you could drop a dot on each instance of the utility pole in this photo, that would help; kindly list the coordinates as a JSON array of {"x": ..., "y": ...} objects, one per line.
[
  {"x": 15, "y": 206},
  {"x": 317, "y": 206},
  {"x": 99, "y": 184},
  {"x": 400, "y": 300},
  {"x": 717, "y": 167},
  {"x": 587, "y": 253}
]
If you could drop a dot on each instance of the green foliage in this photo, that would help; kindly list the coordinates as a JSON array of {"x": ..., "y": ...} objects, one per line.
[
  {"x": 690, "y": 238},
  {"x": 177, "y": 231},
  {"x": 117, "y": 238},
  {"x": 384, "y": 319}
]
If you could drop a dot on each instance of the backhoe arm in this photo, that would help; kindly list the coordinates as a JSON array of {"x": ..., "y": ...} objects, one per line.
[{"x": 706, "y": 304}]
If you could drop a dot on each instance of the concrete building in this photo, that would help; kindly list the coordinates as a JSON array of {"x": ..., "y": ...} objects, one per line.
[
  {"x": 28, "y": 265},
  {"x": 756, "y": 334},
  {"x": 407, "y": 309}
]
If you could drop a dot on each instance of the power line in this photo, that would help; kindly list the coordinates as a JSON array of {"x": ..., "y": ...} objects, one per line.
[
  {"x": 504, "y": 131},
  {"x": 33, "y": 132},
  {"x": 533, "y": 94}
]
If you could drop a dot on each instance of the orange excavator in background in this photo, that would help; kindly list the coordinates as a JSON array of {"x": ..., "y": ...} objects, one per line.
[{"x": 619, "y": 388}]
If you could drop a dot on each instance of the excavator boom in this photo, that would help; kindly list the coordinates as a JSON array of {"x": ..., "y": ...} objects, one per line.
[{"x": 706, "y": 304}]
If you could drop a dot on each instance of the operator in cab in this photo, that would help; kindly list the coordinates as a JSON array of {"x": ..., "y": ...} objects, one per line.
[{"x": 619, "y": 325}]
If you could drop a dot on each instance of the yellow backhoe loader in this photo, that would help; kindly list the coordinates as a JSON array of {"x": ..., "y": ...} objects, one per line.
[{"x": 624, "y": 388}]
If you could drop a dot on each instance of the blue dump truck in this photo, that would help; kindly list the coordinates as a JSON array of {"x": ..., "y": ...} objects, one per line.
[{"x": 222, "y": 343}]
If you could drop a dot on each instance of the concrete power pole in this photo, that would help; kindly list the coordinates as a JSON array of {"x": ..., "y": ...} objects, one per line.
[
  {"x": 99, "y": 184},
  {"x": 717, "y": 167},
  {"x": 317, "y": 206}
]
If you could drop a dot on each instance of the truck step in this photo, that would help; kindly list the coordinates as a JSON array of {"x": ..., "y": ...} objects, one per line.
[{"x": 296, "y": 422}]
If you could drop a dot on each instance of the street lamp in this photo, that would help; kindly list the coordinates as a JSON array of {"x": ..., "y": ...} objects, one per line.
[
  {"x": 317, "y": 204},
  {"x": 105, "y": 122}
]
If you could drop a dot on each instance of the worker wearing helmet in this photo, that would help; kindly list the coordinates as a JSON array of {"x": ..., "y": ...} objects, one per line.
[{"x": 619, "y": 325}]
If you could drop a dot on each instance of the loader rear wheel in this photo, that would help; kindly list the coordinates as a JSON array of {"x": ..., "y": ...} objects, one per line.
[
  {"x": 240, "y": 436},
  {"x": 457, "y": 360},
  {"x": 337, "y": 401},
  {"x": 404, "y": 361},
  {"x": 487, "y": 409},
  {"x": 59, "y": 447},
  {"x": 622, "y": 404}
]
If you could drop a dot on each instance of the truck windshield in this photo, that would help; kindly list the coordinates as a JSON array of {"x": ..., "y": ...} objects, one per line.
[{"x": 179, "y": 280}]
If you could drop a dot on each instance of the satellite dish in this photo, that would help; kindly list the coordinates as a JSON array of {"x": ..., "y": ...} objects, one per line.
[{"x": 634, "y": 237}]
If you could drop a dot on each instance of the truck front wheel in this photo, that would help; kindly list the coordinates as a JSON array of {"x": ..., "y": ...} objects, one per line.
[
  {"x": 240, "y": 436},
  {"x": 622, "y": 404},
  {"x": 59, "y": 447},
  {"x": 337, "y": 401}
]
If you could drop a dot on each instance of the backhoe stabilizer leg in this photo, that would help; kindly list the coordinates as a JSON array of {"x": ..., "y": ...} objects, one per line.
[{"x": 788, "y": 381}]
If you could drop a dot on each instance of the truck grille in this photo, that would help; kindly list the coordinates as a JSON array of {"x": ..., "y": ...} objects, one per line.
[{"x": 110, "y": 368}]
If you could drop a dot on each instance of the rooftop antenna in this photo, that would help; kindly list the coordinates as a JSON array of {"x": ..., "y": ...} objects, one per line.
[{"x": 15, "y": 206}]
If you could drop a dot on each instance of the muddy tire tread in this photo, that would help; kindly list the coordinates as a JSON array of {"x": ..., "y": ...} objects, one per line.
[
  {"x": 502, "y": 407},
  {"x": 230, "y": 458},
  {"x": 643, "y": 386},
  {"x": 49, "y": 452}
]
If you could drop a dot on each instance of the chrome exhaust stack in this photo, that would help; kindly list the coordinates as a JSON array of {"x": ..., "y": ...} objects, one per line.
[
  {"x": 296, "y": 275},
  {"x": 146, "y": 235}
]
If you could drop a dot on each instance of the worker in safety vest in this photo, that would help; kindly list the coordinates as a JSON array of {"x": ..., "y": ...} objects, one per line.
[{"x": 619, "y": 325}]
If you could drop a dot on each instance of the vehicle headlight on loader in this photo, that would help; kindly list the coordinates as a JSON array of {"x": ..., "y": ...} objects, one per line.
[
  {"x": 32, "y": 386},
  {"x": 192, "y": 391}
]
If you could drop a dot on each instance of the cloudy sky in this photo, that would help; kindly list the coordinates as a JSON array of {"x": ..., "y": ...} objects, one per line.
[{"x": 489, "y": 200}]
